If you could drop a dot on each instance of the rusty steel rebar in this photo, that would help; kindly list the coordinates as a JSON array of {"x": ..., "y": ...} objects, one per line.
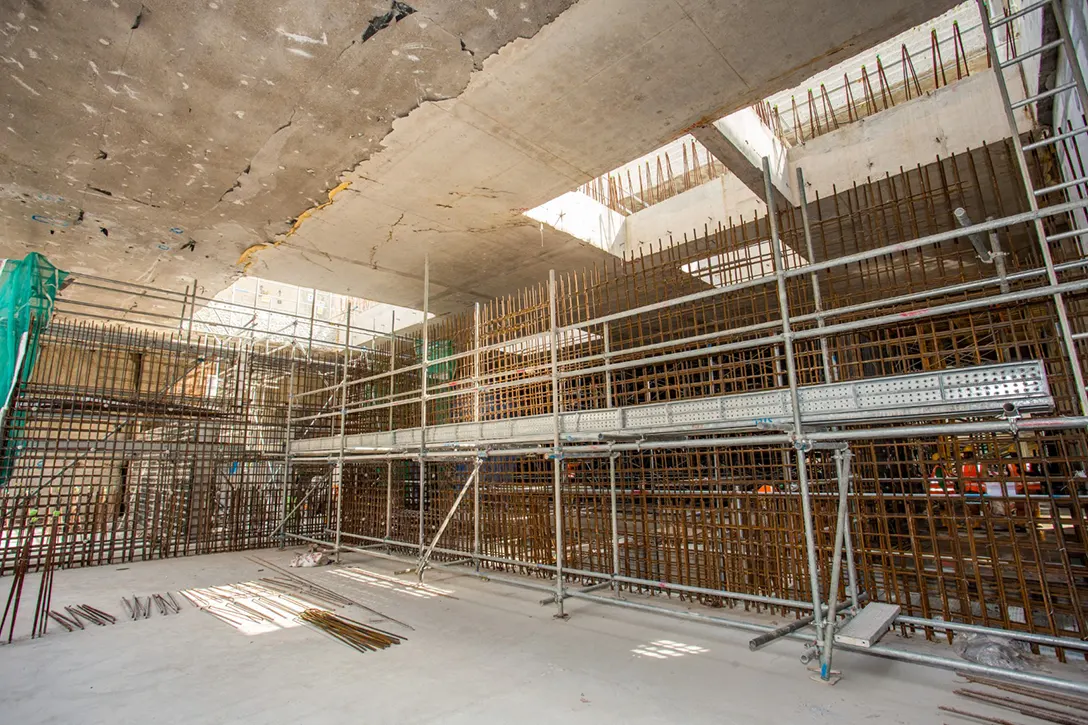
[
  {"x": 361, "y": 637},
  {"x": 1050, "y": 714}
]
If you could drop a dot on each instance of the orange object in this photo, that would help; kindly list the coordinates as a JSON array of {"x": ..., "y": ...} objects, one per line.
[
  {"x": 939, "y": 484},
  {"x": 971, "y": 473}
]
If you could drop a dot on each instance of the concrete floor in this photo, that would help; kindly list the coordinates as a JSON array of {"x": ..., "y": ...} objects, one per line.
[{"x": 486, "y": 653}]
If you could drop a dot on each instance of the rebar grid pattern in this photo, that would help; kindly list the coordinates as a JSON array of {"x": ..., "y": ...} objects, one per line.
[
  {"x": 981, "y": 529},
  {"x": 144, "y": 445}
]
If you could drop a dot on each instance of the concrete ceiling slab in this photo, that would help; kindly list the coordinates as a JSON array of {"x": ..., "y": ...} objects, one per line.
[{"x": 159, "y": 141}]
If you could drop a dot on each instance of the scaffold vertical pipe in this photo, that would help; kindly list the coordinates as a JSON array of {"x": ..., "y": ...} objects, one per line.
[
  {"x": 392, "y": 390},
  {"x": 287, "y": 453},
  {"x": 843, "y": 462},
  {"x": 791, "y": 374},
  {"x": 557, "y": 452},
  {"x": 607, "y": 336},
  {"x": 476, "y": 417},
  {"x": 184, "y": 305},
  {"x": 842, "y": 467},
  {"x": 476, "y": 363},
  {"x": 313, "y": 313},
  {"x": 343, "y": 438},
  {"x": 615, "y": 526},
  {"x": 192, "y": 313},
  {"x": 423, "y": 395}
]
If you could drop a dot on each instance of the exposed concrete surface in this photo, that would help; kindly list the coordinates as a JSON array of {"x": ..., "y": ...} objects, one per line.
[
  {"x": 491, "y": 655},
  {"x": 741, "y": 141},
  {"x": 220, "y": 123},
  {"x": 967, "y": 114},
  {"x": 723, "y": 200}
]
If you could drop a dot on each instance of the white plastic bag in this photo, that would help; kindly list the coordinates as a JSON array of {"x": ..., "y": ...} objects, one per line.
[
  {"x": 313, "y": 558},
  {"x": 993, "y": 651}
]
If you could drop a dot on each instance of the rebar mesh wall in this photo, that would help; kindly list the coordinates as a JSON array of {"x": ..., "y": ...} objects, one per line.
[
  {"x": 729, "y": 518},
  {"x": 145, "y": 445}
]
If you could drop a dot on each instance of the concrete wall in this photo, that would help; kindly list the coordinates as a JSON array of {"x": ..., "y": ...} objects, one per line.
[
  {"x": 966, "y": 114},
  {"x": 707, "y": 205}
]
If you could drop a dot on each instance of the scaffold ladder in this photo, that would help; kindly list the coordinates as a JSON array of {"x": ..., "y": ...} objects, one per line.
[{"x": 1048, "y": 41}]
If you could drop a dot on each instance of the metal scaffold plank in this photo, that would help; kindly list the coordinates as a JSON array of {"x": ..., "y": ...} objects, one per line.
[{"x": 980, "y": 391}]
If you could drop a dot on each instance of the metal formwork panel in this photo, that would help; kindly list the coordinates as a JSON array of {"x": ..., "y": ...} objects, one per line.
[{"x": 977, "y": 391}]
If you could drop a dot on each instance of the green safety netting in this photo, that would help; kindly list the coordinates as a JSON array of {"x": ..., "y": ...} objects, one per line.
[
  {"x": 439, "y": 372},
  {"x": 28, "y": 289}
]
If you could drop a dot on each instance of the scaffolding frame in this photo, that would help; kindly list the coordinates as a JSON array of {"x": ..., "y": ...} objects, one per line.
[{"x": 795, "y": 434}]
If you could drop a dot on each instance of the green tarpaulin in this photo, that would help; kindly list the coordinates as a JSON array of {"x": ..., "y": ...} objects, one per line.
[{"x": 28, "y": 289}]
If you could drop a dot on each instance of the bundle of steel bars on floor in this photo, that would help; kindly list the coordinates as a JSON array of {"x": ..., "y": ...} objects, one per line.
[
  {"x": 354, "y": 634},
  {"x": 75, "y": 616},
  {"x": 311, "y": 589}
]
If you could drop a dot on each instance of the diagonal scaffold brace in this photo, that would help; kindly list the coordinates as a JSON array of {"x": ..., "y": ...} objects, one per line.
[{"x": 425, "y": 556}]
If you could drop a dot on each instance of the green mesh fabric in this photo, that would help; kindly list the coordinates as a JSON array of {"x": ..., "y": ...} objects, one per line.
[
  {"x": 437, "y": 373},
  {"x": 28, "y": 289}
]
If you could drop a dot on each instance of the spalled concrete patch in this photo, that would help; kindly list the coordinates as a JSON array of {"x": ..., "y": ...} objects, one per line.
[{"x": 204, "y": 116}]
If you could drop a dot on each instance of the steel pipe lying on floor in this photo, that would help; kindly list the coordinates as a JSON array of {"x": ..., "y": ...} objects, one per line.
[{"x": 885, "y": 652}]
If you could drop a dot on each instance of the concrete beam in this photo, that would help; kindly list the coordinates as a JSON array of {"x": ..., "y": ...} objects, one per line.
[{"x": 740, "y": 141}]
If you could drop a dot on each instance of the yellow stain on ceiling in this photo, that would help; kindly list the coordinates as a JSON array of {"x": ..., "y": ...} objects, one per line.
[{"x": 247, "y": 259}]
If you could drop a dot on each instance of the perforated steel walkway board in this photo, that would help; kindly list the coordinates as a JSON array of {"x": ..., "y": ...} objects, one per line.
[
  {"x": 960, "y": 393},
  {"x": 870, "y": 624}
]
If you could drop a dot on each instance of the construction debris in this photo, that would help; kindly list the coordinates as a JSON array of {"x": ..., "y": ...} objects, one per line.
[
  {"x": 310, "y": 559},
  {"x": 311, "y": 588},
  {"x": 165, "y": 603},
  {"x": 1046, "y": 705}
]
